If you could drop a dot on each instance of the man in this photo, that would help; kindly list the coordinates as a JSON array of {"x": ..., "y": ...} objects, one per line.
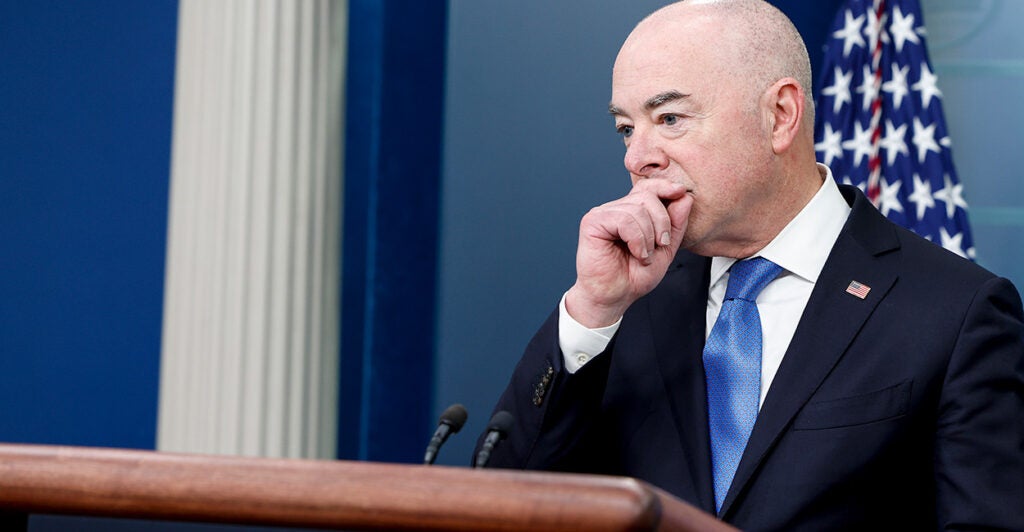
[{"x": 755, "y": 339}]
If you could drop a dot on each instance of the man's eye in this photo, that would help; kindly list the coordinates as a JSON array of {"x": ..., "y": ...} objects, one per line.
[
  {"x": 625, "y": 131},
  {"x": 670, "y": 120}
]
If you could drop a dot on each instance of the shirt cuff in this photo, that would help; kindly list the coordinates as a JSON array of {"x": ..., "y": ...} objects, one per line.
[{"x": 578, "y": 343}]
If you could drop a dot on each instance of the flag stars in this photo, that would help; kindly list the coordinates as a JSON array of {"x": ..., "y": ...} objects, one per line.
[
  {"x": 952, "y": 195},
  {"x": 924, "y": 139},
  {"x": 922, "y": 196},
  {"x": 927, "y": 84},
  {"x": 953, "y": 243},
  {"x": 860, "y": 143},
  {"x": 897, "y": 86},
  {"x": 830, "y": 144},
  {"x": 840, "y": 89},
  {"x": 894, "y": 142},
  {"x": 882, "y": 125},
  {"x": 874, "y": 30},
  {"x": 868, "y": 88},
  {"x": 902, "y": 29},
  {"x": 850, "y": 34},
  {"x": 888, "y": 199}
]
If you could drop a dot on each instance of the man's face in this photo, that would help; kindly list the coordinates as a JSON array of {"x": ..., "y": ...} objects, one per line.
[{"x": 687, "y": 115}]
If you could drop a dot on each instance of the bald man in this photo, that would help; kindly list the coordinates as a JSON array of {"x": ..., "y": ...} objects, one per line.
[{"x": 756, "y": 339}]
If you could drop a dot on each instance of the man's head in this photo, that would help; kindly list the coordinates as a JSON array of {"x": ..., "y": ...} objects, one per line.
[{"x": 715, "y": 94}]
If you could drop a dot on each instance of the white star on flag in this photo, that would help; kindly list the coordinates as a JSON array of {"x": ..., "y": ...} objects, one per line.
[
  {"x": 873, "y": 32},
  {"x": 850, "y": 33},
  {"x": 902, "y": 29},
  {"x": 895, "y": 141},
  {"x": 867, "y": 88},
  {"x": 876, "y": 61},
  {"x": 860, "y": 143},
  {"x": 890, "y": 200},
  {"x": 922, "y": 196},
  {"x": 952, "y": 195},
  {"x": 830, "y": 144},
  {"x": 924, "y": 139},
  {"x": 840, "y": 89},
  {"x": 927, "y": 85},
  {"x": 897, "y": 86},
  {"x": 952, "y": 243}
]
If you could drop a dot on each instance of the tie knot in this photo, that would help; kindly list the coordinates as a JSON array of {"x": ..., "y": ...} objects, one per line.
[{"x": 748, "y": 277}]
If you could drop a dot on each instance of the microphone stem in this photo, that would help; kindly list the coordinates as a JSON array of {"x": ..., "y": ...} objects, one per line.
[{"x": 485, "y": 450}]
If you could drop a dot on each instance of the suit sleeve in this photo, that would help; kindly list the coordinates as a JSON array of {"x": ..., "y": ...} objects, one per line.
[
  {"x": 554, "y": 411},
  {"x": 979, "y": 452}
]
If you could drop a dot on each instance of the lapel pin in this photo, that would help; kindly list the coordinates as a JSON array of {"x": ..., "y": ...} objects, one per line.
[{"x": 858, "y": 289}]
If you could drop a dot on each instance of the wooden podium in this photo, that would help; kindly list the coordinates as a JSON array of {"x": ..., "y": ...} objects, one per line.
[{"x": 325, "y": 494}]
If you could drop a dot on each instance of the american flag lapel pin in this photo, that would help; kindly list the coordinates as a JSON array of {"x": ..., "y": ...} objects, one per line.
[{"x": 858, "y": 289}]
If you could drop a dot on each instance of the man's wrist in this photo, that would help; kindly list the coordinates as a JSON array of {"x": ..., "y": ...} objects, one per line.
[
  {"x": 578, "y": 343},
  {"x": 588, "y": 314}
]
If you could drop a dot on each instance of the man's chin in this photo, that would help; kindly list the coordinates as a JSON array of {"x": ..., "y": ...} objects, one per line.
[
  {"x": 695, "y": 246},
  {"x": 705, "y": 246}
]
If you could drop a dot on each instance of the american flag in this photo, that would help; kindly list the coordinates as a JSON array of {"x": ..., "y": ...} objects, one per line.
[
  {"x": 858, "y": 289},
  {"x": 880, "y": 124}
]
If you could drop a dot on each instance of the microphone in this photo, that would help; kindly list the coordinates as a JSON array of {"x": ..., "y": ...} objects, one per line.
[
  {"x": 497, "y": 429},
  {"x": 452, "y": 420}
]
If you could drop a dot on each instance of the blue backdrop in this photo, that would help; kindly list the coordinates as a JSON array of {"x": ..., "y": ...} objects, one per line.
[{"x": 86, "y": 91}]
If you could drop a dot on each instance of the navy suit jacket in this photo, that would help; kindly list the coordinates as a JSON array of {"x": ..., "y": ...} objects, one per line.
[{"x": 901, "y": 410}]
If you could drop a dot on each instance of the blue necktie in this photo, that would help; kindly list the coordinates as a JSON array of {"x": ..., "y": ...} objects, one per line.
[{"x": 732, "y": 367}]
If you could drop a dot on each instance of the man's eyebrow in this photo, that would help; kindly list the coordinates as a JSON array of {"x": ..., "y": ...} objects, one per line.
[
  {"x": 653, "y": 102},
  {"x": 663, "y": 98}
]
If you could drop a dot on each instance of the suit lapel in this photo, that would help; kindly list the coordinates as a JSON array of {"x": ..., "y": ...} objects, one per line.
[
  {"x": 678, "y": 315},
  {"x": 828, "y": 325}
]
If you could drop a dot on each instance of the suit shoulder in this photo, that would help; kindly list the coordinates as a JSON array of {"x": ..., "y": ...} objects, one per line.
[{"x": 924, "y": 257}]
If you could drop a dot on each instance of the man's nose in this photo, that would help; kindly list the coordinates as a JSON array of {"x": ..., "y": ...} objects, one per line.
[{"x": 644, "y": 155}]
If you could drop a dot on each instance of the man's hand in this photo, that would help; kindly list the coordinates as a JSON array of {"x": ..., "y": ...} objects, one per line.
[{"x": 625, "y": 248}]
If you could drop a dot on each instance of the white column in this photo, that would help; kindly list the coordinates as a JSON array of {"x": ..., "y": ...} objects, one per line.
[{"x": 250, "y": 337}]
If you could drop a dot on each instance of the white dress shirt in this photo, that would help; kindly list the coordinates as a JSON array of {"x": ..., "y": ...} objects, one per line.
[{"x": 801, "y": 249}]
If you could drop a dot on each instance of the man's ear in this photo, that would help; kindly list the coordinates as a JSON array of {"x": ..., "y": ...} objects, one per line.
[{"x": 785, "y": 106}]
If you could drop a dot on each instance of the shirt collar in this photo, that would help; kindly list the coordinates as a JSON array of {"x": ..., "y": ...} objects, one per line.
[{"x": 803, "y": 245}]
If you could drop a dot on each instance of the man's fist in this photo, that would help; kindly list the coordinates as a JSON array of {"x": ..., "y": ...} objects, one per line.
[{"x": 625, "y": 248}]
